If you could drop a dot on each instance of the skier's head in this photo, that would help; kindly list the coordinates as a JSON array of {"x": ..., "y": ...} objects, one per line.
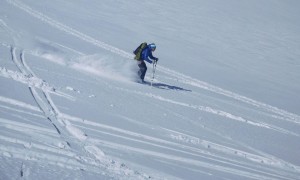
[{"x": 152, "y": 46}]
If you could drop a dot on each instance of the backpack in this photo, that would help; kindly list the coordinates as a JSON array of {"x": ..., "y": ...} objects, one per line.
[{"x": 139, "y": 50}]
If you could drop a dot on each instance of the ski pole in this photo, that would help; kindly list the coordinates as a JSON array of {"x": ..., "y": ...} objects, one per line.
[{"x": 153, "y": 71}]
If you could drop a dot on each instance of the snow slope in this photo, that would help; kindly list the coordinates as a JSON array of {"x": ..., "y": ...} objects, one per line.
[{"x": 224, "y": 102}]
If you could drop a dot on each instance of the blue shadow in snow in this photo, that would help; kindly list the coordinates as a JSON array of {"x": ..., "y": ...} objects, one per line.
[{"x": 167, "y": 87}]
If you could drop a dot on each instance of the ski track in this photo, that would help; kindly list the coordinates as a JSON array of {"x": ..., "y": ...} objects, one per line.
[
  {"x": 68, "y": 29},
  {"x": 73, "y": 138},
  {"x": 235, "y": 169},
  {"x": 45, "y": 107},
  {"x": 32, "y": 81},
  {"x": 28, "y": 77},
  {"x": 294, "y": 118},
  {"x": 179, "y": 77},
  {"x": 61, "y": 123},
  {"x": 19, "y": 103},
  {"x": 173, "y": 147},
  {"x": 211, "y": 111}
]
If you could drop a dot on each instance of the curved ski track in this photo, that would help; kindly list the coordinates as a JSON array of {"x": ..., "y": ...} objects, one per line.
[
  {"x": 80, "y": 152},
  {"x": 179, "y": 77}
]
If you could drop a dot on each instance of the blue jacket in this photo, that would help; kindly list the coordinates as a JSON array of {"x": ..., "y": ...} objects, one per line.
[{"x": 146, "y": 53}]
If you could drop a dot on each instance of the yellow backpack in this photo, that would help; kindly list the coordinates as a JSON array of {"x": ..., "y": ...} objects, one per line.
[{"x": 139, "y": 50}]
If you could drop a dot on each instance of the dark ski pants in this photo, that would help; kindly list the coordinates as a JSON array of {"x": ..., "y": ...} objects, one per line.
[{"x": 143, "y": 70}]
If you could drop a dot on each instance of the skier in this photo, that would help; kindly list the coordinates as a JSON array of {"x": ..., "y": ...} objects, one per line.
[{"x": 144, "y": 55}]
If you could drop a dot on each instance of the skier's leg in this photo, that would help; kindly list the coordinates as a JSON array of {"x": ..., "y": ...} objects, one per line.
[{"x": 143, "y": 70}]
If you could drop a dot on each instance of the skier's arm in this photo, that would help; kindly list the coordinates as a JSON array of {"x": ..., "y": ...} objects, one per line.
[
  {"x": 148, "y": 60},
  {"x": 152, "y": 57},
  {"x": 145, "y": 55}
]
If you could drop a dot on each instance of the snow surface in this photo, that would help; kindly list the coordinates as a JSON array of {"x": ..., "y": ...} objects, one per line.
[{"x": 224, "y": 103}]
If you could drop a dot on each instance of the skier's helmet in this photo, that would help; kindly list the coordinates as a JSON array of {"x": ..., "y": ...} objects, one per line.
[{"x": 152, "y": 46}]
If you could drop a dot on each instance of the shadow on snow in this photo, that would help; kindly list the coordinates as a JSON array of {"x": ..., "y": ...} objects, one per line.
[{"x": 166, "y": 86}]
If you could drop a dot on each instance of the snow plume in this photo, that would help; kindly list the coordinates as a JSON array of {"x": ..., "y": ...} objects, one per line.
[
  {"x": 103, "y": 65},
  {"x": 107, "y": 66},
  {"x": 54, "y": 58}
]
